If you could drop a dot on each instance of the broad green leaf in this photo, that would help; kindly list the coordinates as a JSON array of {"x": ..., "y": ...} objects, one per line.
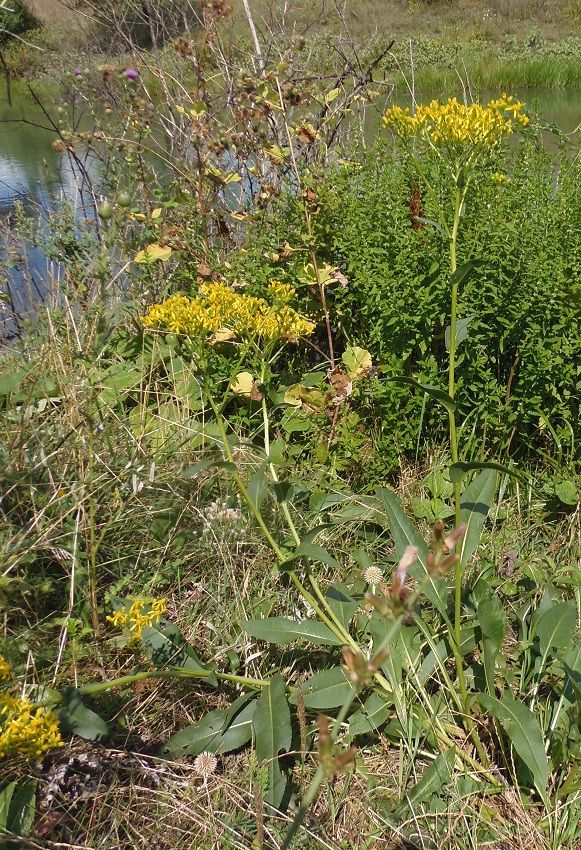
[
  {"x": 436, "y": 777},
  {"x": 573, "y": 657},
  {"x": 434, "y": 392},
  {"x": 281, "y": 630},
  {"x": 461, "y": 332},
  {"x": 371, "y": 716},
  {"x": 556, "y": 627},
  {"x": 566, "y": 491},
  {"x": 433, "y": 660},
  {"x": 272, "y": 734},
  {"x": 464, "y": 270},
  {"x": 328, "y": 689},
  {"x": 475, "y": 504},
  {"x": 152, "y": 253},
  {"x": 405, "y": 534},
  {"x": 341, "y": 604},
  {"x": 11, "y": 381},
  {"x": 22, "y": 809},
  {"x": 524, "y": 732},
  {"x": 75, "y": 717},
  {"x": 460, "y": 469},
  {"x": 492, "y": 620},
  {"x": 196, "y": 738}
]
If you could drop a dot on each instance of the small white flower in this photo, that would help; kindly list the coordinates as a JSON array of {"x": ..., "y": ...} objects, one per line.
[{"x": 373, "y": 575}]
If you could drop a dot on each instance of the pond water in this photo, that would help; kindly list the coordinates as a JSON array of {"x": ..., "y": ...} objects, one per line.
[{"x": 32, "y": 172}]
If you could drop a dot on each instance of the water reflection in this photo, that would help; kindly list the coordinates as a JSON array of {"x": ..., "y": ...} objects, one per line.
[{"x": 38, "y": 177}]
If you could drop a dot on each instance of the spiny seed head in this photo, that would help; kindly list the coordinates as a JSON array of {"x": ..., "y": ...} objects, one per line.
[
  {"x": 372, "y": 575},
  {"x": 205, "y": 765}
]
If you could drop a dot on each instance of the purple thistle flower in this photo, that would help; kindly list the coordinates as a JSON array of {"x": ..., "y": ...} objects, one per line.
[
  {"x": 78, "y": 72},
  {"x": 131, "y": 73}
]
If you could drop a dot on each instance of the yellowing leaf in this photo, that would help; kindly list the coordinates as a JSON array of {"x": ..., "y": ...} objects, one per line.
[
  {"x": 156, "y": 213},
  {"x": 180, "y": 109},
  {"x": 358, "y": 361},
  {"x": 233, "y": 178},
  {"x": 153, "y": 252},
  {"x": 331, "y": 95},
  {"x": 224, "y": 335},
  {"x": 311, "y": 398},
  {"x": 243, "y": 383},
  {"x": 198, "y": 109},
  {"x": 293, "y": 395}
]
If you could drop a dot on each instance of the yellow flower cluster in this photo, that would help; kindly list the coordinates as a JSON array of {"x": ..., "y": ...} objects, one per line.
[
  {"x": 136, "y": 618},
  {"x": 454, "y": 125},
  {"x": 26, "y": 730},
  {"x": 5, "y": 668},
  {"x": 500, "y": 179},
  {"x": 218, "y": 308}
]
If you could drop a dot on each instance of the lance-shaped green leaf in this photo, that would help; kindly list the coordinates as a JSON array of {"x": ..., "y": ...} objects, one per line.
[
  {"x": 272, "y": 734},
  {"x": 317, "y": 553},
  {"x": 405, "y": 534},
  {"x": 341, "y": 604},
  {"x": 5, "y": 798},
  {"x": 492, "y": 620},
  {"x": 524, "y": 732},
  {"x": 281, "y": 630},
  {"x": 463, "y": 271},
  {"x": 458, "y": 470},
  {"x": 371, "y": 716},
  {"x": 328, "y": 689},
  {"x": 556, "y": 627},
  {"x": 475, "y": 505},
  {"x": 22, "y": 809},
  {"x": 75, "y": 717},
  {"x": 217, "y": 732},
  {"x": 435, "y": 778},
  {"x": 195, "y": 738},
  {"x": 461, "y": 332},
  {"x": 167, "y": 647},
  {"x": 434, "y": 392},
  {"x": 432, "y": 223}
]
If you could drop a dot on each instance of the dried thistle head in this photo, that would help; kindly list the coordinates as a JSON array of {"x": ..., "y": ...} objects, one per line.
[{"x": 205, "y": 765}]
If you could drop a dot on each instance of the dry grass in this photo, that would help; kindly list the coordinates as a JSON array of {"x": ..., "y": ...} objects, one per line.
[
  {"x": 412, "y": 18},
  {"x": 52, "y": 10}
]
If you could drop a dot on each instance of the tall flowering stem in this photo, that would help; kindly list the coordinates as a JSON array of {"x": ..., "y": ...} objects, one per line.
[{"x": 460, "y": 136}]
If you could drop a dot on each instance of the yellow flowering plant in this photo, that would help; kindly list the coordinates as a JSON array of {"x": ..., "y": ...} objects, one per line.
[
  {"x": 25, "y": 729},
  {"x": 138, "y": 616},
  {"x": 461, "y": 138},
  {"x": 220, "y": 313}
]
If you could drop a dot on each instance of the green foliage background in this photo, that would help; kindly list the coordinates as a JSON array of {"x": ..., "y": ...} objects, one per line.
[{"x": 519, "y": 369}]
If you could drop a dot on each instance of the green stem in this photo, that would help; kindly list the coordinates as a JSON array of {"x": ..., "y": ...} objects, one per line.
[
  {"x": 337, "y": 629},
  {"x": 319, "y": 776},
  {"x": 175, "y": 673}
]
